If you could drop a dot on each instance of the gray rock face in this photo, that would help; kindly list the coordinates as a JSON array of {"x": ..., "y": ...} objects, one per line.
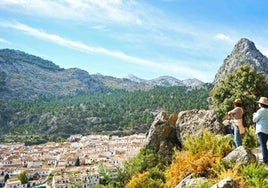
[
  {"x": 192, "y": 82},
  {"x": 166, "y": 81},
  {"x": 191, "y": 181},
  {"x": 194, "y": 122},
  {"x": 241, "y": 155},
  {"x": 132, "y": 82},
  {"x": 225, "y": 183},
  {"x": 167, "y": 132},
  {"x": 27, "y": 77},
  {"x": 162, "y": 135},
  {"x": 244, "y": 52}
]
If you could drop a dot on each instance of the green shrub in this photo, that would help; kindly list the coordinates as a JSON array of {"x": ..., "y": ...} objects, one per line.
[
  {"x": 146, "y": 163},
  {"x": 144, "y": 180},
  {"x": 250, "y": 139},
  {"x": 204, "y": 185},
  {"x": 216, "y": 144},
  {"x": 255, "y": 175}
]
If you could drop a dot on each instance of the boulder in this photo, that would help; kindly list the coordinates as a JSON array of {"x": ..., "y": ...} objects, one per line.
[
  {"x": 241, "y": 155},
  {"x": 225, "y": 183},
  {"x": 191, "y": 181},
  {"x": 194, "y": 122},
  {"x": 161, "y": 136}
]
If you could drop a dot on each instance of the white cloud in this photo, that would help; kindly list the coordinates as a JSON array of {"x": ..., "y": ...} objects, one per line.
[
  {"x": 145, "y": 24},
  {"x": 130, "y": 12},
  {"x": 77, "y": 45},
  {"x": 4, "y": 41},
  {"x": 223, "y": 37},
  {"x": 81, "y": 10},
  {"x": 140, "y": 17},
  {"x": 99, "y": 27},
  {"x": 50, "y": 9}
]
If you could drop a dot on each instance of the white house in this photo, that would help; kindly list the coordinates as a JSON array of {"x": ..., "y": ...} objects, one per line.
[{"x": 14, "y": 183}]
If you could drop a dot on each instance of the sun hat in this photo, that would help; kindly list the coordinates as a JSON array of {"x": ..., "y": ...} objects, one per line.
[
  {"x": 238, "y": 101},
  {"x": 263, "y": 100}
]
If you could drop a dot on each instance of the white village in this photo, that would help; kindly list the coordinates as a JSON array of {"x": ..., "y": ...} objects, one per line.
[{"x": 74, "y": 163}]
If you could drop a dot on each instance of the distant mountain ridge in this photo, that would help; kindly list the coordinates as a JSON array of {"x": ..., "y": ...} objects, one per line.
[
  {"x": 244, "y": 52},
  {"x": 132, "y": 82},
  {"x": 167, "y": 81},
  {"x": 27, "y": 77}
]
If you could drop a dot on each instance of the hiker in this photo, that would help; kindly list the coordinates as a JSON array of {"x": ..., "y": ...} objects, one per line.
[
  {"x": 261, "y": 119},
  {"x": 235, "y": 116}
]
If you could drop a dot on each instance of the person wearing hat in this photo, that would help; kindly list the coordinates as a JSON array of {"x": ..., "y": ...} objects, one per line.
[
  {"x": 235, "y": 116},
  {"x": 261, "y": 119}
]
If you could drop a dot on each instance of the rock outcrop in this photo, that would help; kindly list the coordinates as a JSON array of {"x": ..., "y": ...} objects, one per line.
[
  {"x": 191, "y": 181},
  {"x": 244, "y": 52},
  {"x": 162, "y": 139},
  {"x": 225, "y": 183},
  {"x": 241, "y": 155},
  {"x": 167, "y": 132},
  {"x": 162, "y": 135},
  {"x": 194, "y": 122}
]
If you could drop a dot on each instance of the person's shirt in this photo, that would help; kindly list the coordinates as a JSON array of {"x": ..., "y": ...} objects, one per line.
[
  {"x": 261, "y": 120},
  {"x": 237, "y": 113}
]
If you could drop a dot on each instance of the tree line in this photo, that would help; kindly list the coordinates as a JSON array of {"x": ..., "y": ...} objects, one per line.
[{"x": 117, "y": 112}]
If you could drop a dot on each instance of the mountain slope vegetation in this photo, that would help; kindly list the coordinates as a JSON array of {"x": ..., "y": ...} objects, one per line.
[
  {"x": 39, "y": 101},
  {"x": 28, "y": 77},
  {"x": 118, "y": 112}
]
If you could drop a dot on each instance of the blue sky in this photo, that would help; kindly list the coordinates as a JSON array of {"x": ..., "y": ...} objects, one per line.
[{"x": 149, "y": 38}]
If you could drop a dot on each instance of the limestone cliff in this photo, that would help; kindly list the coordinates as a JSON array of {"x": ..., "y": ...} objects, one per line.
[{"x": 244, "y": 52}]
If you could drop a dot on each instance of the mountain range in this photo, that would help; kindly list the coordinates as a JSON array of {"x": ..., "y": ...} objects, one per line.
[
  {"x": 127, "y": 105},
  {"x": 28, "y": 77}
]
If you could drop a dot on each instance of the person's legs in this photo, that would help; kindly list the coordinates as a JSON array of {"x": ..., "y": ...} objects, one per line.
[
  {"x": 263, "y": 143},
  {"x": 237, "y": 136}
]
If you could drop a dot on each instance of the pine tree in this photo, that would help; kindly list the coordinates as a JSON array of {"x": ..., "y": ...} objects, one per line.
[{"x": 77, "y": 162}]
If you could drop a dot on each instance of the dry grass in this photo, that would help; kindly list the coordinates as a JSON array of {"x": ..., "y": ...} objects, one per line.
[{"x": 186, "y": 163}]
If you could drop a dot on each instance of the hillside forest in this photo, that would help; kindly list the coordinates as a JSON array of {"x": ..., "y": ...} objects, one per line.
[{"x": 118, "y": 112}]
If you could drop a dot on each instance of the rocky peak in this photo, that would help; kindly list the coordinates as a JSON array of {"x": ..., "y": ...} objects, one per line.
[
  {"x": 166, "y": 81},
  {"x": 244, "y": 52},
  {"x": 243, "y": 46},
  {"x": 134, "y": 78},
  {"x": 192, "y": 82}
]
